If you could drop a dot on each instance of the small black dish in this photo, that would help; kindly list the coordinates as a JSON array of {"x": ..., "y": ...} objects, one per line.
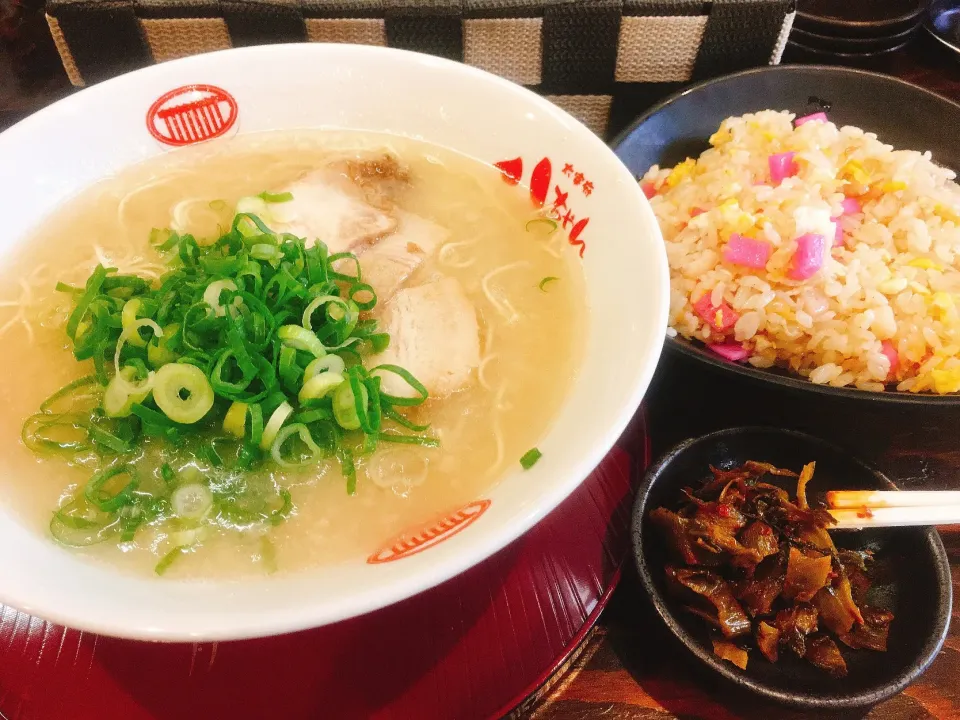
[
  {"x": 832, "y": 44},
  {"x": 920, "y": 595},
  {"x": 858, "y": 18},
  {"x": 943, "y": 22},
  {"x": 902, "y": 114}
]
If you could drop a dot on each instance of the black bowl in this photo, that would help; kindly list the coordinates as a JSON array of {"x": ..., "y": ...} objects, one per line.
[
  {"x": 797, "y": 51},
  {"x": 919, "y": 592},
  {"x": 902, "y": 114},
  {"x": 832, "y": 44},
  {"x": 943, "y": 22},
  {"x": 858, "y": 18}
]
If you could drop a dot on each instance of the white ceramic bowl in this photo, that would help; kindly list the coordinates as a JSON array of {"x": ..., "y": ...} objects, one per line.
[{"x": 54, "y": 154}]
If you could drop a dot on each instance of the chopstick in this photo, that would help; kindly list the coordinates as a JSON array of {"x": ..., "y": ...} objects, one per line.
[
  {"x": 857, "y": 509},
  {"x": 895, "y": 517},
  {"x": 891, "y": 498}
]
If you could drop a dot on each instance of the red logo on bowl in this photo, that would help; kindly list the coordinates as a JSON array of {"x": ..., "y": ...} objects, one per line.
[
  {"x": 191, "y": 114},
  {"x": 419, "y": 540},
  {"x": 543, "y": 188}
]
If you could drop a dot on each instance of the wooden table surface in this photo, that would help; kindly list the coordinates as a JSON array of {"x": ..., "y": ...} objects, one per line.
[{"x": 630, "y": 668}]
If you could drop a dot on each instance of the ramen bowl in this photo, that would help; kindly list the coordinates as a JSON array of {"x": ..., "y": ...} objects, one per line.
[{"x": 215, "y": 98}]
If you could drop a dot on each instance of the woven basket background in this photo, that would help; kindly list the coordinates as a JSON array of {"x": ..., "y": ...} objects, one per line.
[{"x": 598, "y": 59}]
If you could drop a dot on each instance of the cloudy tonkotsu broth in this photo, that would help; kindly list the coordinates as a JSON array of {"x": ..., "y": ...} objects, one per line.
[{"x": 528, "y": 344}]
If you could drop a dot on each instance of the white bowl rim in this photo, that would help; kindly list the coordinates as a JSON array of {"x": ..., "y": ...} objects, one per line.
[{"x": 377, "y": 597}]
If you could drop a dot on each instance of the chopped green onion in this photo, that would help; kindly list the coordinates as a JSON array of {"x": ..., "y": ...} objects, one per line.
[
  {"x": 122, "y": 392},
  {"x": 92, "y": 289},
  {"x": 290, "y": 372},
  {"x": 276, "y": 421},
  {"x": 128, "y": 319},
  {"x": 107, "y": 439},
  {"x": 235, "y": 419},
  {"x": 347, "y": 257},
  {"x": 328, "y": 363},
  {"x": 349, "y": 470},
  {"x": 256, "y": 424},
  {"x": 347, "y": 408},
  {"x": 265, "y": 251},
  {"x": 546, "y": 281},
  {"x": 375, "y": 413},
  {"x": 103, "y": 499},
  {"x": 303, "y": 433},
  {"x": 163, "y": 239},
  {"x": 44, "y": 433},
  {"x": 78, "y": 525},
  {"x": 191, "y": 502},
  {"x": 64, "y": 287},
  {"x": 530, "y": 458},
  {"x": 415, "y": 384},
  {"x": 275, "y": 197},
  {"x": 134, "y": 331},
  {"x": 210, "y": 454},
  {"x": 320, "y": 386},
  {"x": 301, "y": 338},
  {"x": 390, "y": 413},
  {"x": 410, "y": 439},
  {"x": 314, "y": 415},
  {"x": 248, "y": 224},
  {"x": 168, "y": 474},
  {"x": 84, "y": 388},
  {"x": 367, "y": 290},
  {"x": 167, "y": 560},
  {"x": 182, "y": 392},
  {"x": 541, "y": 226},
  {"x": 160, "y": 348},
  {"x": 152, "y": 416},
  {"x": 277, "y": 516},
  {"x": 319, "y": 302},
  {"x": 211, "y": 296}
]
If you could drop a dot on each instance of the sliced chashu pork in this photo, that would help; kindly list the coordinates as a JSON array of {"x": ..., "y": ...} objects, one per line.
[
  {"x": 434, "y": 335},
  {"x": 345, "y": 204},
  {"x": 387, "y": 264}
]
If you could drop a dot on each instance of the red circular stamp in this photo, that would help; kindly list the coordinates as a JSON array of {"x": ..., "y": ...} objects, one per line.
[{"x": 192, "y": 114}]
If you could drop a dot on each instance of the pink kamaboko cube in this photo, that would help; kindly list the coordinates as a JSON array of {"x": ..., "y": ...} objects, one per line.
[
  {"x": 819, "y": 116},
  {"x": 732, "y": 351},
  {"x": 745, "y": 251},
  {"x": 782, "y": 166},
  {"x": 808, "y": 259},
  {"x": 851, "y": 206}
]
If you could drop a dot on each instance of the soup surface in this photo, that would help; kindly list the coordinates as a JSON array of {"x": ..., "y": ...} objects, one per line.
[{"x": 529, "y": 336}]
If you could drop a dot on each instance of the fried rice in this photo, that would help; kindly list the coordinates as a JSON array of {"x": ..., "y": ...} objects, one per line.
[{"x": 818, "y": 249}]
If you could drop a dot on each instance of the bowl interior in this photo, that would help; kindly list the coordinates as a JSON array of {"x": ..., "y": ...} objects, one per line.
[
  {"x": 679, "y": 127},
  {"x": 912, "y": 581},
  {"x": 102, "y": 130}
]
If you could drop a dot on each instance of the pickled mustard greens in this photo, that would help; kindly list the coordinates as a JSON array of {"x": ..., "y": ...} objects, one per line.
[{"x": 246, "y": 354}]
